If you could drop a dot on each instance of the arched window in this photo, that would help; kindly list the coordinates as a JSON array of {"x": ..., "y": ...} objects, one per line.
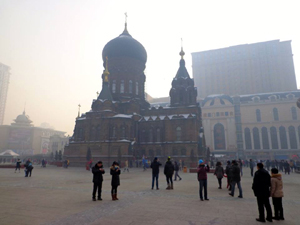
[
  {"x": 157, "y": 135},
  {"x": 219, "y": 137},
  {"x": 113, "y": 87},
  {"x": 113, "y": 132},
  {"x": 151, "y": 153},
  {"x": 299, "y": 133},
  {"x": 183, "y": 151},
  {"x": 81, "y": 134},
  {"x": 258, "y": 115},
  {"x": 265, "y": 138},
  {"x": 248, "y": 141},
  {"x": 294, "y": 113},
  {"x": 130, "y": 87},
  {"x": 98, "y": 132},
  {"x": 122, "y": 86},
  {"x": 158, "y": 152},
  {"x": 143, "y": 136},
  {"x": 174, "y": 151},
  {"x": 136, "y": 88},
  {"x": 275, "y": 114},
  {"x": 178, "y": 133},
  {"x": 93, "y": 134},
  {"x": 123, "y": 130},
  {"x": 274, "y": 139},
  {"x": 256, "y": 138},
  {"x": 150, "y": 135},
  {"x": 292, "y": 136},
  {"x": 283, "y": 138}
]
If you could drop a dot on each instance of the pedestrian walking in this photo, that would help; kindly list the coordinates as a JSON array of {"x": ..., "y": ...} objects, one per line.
[
  {"x": 261, "y": 188},
  {"x": 28, "y": 168},
  {"x": 176, "y": 168},
  {"x": 18, "y": 165},
  {"x": 98, "y": 172},
  {"x": 202, "y": 179},
  {"x": 169, "y": 171},
  {"x": 155, "y": 172},
  {"x": 251, "y": 164},
  {"x": 287, "y": 168},
  {"x": 219, "y": 173},
  {"x": 241, "y": 166},
  {"x": 277, "y": 194},
  {"x": 126, "y": 166},
  {"x": 228, "y": 173},
  {"x": 235, "y": 179},
  {"x": 115, "y": 179}
]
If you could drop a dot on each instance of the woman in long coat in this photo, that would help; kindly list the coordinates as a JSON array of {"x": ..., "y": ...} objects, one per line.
[
  {"x": 219, "y": 172},
  {"x": 115, "y": 179}
]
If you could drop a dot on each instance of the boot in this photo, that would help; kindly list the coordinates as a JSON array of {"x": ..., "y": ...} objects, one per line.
[
  {"x": 113, "y": 197},
  {"x": 171, "y": 186},
  {"x": 116, "y": 197},
  {"x": 168, "y": 188}
]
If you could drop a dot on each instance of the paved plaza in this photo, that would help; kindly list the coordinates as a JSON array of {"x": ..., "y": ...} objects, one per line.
[{"x": 56, "y": 195}]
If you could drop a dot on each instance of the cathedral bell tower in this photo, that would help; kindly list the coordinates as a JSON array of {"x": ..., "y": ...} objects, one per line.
[{"x": 183, "y": 92}]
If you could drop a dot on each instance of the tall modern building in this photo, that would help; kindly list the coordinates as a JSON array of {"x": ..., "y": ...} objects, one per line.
[
  {"x": 4, "y": 80},
  {"x": 245, "y": 69}
]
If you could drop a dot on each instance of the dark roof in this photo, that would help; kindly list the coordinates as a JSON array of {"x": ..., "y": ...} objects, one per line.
[
  {"x": 105, "y": 92},
  {"x": 124, "y": 46},
  {"x": 182, "y": 71}
]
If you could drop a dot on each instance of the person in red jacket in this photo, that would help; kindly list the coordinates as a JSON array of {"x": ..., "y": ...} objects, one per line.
[{"x": 202, "y": 178}]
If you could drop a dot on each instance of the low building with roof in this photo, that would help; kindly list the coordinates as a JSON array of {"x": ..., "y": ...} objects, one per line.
[{"x": 23, "y": 138}]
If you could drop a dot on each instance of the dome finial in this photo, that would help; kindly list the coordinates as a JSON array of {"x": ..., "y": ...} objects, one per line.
[
  {"x": 181, "y": 53},
  {"x": 106, "y": 73},
  {"x": 125, "y": 29}
]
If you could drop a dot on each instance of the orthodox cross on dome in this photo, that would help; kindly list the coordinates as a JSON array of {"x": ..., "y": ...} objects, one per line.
[
  {"x": 79, "y": 110},
  {"x": 181, "y": 53},
  {"x": 97, "y": 94},
  {"x": 125, "y": 22}
]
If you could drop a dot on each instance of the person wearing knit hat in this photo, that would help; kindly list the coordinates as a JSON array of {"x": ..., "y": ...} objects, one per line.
[
  {"x": 169, "y": 171},
  {"x": 202, "y": 178}
]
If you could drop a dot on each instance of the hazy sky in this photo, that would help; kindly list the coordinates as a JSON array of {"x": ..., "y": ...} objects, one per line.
[{"x": 54, "y": 47}]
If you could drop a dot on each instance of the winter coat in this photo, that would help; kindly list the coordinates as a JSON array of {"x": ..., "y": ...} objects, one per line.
[
  {"x": 202, "y": 172},
  {"x": 261, "y": 183},
  {"x": 251, "y": 164},
  {"x": 176, "y": 167},
  {"x": 227, "y": 171},
  {"x": 219, "y": 172},
  {"x": 276, "y": 186},
  {"x": 235, "y": 173},
  {"x": 115, "y": 179},
  {"x": 155, "y": 167},
  {"x": 169, "y": 169},
  {"x": 97, "y": 174},
  {"x": 28, "y": 165}
]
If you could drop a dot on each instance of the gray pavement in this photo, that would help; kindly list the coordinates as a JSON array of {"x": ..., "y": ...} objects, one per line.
[{"x": 63, "y": 196}]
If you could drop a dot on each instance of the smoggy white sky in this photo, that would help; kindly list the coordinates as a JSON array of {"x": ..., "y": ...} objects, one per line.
[{"x": 54, "y": 47}]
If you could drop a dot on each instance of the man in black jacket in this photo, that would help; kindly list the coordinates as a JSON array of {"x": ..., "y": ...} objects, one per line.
[
  {"x": 155, "y": 171},
  {"x": 261, "y": 188},
  {"x": 169, "y": 170},
  {"x": 235, "y": 174},
  {"x": 97, "y": 171}
]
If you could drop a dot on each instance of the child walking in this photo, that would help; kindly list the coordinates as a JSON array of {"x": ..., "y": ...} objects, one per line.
[{"x": 277, "y": 194}]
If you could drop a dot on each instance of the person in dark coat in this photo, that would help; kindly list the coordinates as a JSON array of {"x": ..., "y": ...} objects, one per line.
[
  {"x": 287, "y": 168},
  {"x": 98, "y": 172},
  {"x": 155, "y": 172},
  {"x": 202, "y": 178},
  {"x": 169, "y": 171},
  {"x": 18, "y": 165},
  {"x": 176, "y": 168},
  {"x": 115, "y": 179},
  {"x": 251, "y": 166},
  {"x": 28, "y": 168},
  {"x": 219, "y": 172},
  {"x": 228, "y": 173},
  {"x": 235, "y": 178},
  {"x": 261, "y": 188}
]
